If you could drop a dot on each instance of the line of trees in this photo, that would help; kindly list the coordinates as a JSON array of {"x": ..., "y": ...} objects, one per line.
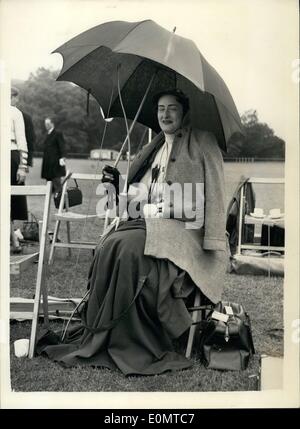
[
  {"x": 41, "y": 96},
  {"x": 258, "y": 141}
]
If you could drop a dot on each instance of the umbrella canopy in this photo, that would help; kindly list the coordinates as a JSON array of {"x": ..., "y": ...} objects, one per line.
[{"x": 140, "y": 50}]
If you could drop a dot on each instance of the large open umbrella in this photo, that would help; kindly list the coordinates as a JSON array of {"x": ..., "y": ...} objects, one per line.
[{"x": 144, "y": 52}]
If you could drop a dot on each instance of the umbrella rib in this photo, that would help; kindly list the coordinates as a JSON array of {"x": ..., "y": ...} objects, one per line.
[
  {"x": 96, "y": 46},
  {"x": 91, "y": 44},
  {"x": 130, "y": 31},
  {"x": 63, "y": 72},
  {"x": 131, "y": 74},
  {"x": 137, "y": 25}
]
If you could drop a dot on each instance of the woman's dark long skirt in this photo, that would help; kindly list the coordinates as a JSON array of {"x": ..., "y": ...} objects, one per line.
[
  {"x": 18, "y": 203},
  {"x": 132, "y": 313}
]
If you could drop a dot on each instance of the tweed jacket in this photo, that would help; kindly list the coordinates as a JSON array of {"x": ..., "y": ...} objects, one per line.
[{"x": 202, "y": 253}]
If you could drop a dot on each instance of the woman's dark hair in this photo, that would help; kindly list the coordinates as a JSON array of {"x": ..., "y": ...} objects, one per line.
[{"x": 178, "y": 94}]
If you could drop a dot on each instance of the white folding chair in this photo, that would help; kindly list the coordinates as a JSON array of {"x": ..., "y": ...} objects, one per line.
[
  {"x": 64, "y": 214},
  {"x": 41, "y": 285},
  {"x": 249, "y": 220}
]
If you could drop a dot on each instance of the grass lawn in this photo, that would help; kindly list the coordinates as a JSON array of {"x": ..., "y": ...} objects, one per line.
[
  {"x": 262, "y": 298},
  {"x": 40, "y": 374}
]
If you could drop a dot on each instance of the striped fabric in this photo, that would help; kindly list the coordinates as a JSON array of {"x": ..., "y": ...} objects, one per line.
[
  {"x": 23, "y": 160},
  {"x": 18, "y": 138}
]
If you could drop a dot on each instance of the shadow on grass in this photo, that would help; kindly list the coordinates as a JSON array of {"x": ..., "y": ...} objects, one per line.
[
  {"x": 41, "y": 374},
  {"x": 261, "y": 297}
]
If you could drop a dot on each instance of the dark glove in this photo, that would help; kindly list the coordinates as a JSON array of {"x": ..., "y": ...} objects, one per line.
[{"x": 111, "y": 175}]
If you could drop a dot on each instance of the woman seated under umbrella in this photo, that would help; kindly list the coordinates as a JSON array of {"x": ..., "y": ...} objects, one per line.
[{"x": 143, "y": 270}]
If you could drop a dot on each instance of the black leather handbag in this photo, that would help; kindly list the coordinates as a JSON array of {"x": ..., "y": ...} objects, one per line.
[
  {"x": 73, "y": 194},
  {"x": 272, "y": 235},
  {"x": 226, "y": 341},
  {"x": 30, "y": 229}
]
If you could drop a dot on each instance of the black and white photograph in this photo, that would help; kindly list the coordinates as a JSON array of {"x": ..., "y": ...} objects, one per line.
[{"x": 150, "y": 224}]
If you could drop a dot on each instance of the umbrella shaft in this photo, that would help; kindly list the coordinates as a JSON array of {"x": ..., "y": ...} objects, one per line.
[
  {"x": 135, "y": 119},
  {"x": 125, "y": 141}
]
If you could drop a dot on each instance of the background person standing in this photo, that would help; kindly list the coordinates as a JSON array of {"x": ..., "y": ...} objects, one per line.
[
  {"x": 18, "y": 167},
  {"x": 54, "y": 163},
  {"x": 29, "y": 128},
  {"x": 30, "y": 136}
]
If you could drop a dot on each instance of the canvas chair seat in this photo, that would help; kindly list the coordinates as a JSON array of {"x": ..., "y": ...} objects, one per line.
[{"x": 73, "y": 217}]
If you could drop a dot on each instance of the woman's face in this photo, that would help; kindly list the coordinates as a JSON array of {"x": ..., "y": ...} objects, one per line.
[{"x": 169, "y": 114}]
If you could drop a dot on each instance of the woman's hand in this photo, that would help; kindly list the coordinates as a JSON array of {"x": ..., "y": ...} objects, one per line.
[
  {"x": 62, "y": 162},
  {"x": 149, "y": 210},
  {"x": 153, "y": 210},
  {"x": 160, "y": 209}
]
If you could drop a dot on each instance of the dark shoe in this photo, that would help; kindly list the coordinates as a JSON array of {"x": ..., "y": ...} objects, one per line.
[{"x": 57, "y": 240}]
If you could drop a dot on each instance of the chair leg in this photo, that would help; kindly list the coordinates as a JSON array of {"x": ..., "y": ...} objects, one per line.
[
  {"x": 41, "y": 287},
  {"x": 55, "y": 235},
  {"x": 195, "y": 317},
  {"x": 45, "y": 298},
  {"x": 69, "y": 237}
]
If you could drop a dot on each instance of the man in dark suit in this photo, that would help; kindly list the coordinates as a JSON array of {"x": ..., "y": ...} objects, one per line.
[{"x": 54, "y": 163}]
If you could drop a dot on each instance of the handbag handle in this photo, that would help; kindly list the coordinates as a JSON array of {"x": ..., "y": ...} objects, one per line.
[
  {"x": 76, "y": 183},
  {"x": 33, "y": 217},
  {"x": 68, "y": 177}
]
